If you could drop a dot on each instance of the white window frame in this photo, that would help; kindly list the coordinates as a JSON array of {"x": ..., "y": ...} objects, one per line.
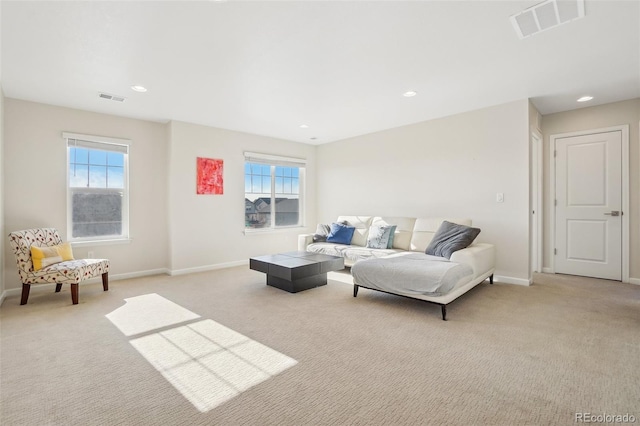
[
  {"x": 273, "y": 161},
  {"x": 109, "y": 144}
]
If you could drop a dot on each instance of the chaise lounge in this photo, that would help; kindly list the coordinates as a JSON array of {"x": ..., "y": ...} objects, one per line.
[{"x": 403, "y": 268}]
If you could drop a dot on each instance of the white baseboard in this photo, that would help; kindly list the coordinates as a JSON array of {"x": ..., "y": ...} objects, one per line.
[
  {"x": 340, "y": 276},
  {"x": 138, "y": 274},
  {"x": 34, "y": 288},
  {"x": 208, "y": 267},
  {"x": 635, "y": 281},
  {"x": 511, "y": 280},
  {"x": 51, "y": 286}
]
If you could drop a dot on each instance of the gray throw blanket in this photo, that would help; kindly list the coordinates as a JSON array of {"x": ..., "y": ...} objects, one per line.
[{"x": 411, "y": 274}]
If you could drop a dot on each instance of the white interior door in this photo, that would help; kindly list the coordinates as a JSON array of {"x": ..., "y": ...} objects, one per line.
[{"x": 588, "y": 214}]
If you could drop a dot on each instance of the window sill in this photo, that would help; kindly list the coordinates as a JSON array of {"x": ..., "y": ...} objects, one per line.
[
  {"x": 261, "y": 231},
  {"x": 115, "y": 241}
]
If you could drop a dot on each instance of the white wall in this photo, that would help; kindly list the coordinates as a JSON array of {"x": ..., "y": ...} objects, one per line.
[
  {"x": 2, "y": 177},
  {"x": 207, "y": 231},
  {"x": 2, "y": 180},
  {"x": 614, "y": 114},
  {"x": 535, "y": 127},
  {"x": 452, "y": 166},
  {"x": 35, "y": 181},
  {"x": 172, "y": 228},
  {"x": 449, "y": 167}
]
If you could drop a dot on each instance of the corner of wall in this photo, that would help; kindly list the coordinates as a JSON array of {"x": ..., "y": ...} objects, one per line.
[
  {"x": 464, "y": 142},
  {"x": 2, "y": 230},
  {"x": 535, "y": 119},
  {"x": 168, "y": 129}
]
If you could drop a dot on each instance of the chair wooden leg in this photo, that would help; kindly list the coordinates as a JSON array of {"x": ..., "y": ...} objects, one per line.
[
  {"x": 25, "y": 293},
  {"x": 105, "y": 281},
  {"x": 58, "y": 287},
  {"x": 74, "y": 293}
]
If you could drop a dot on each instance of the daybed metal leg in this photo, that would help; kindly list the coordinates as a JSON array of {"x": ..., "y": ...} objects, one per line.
[
  {"x": 58, "y": 287},
  {"x": 444, "y": 312},
  {"x": 355, "y": 290},
  {"x": 491, "y": 279}
]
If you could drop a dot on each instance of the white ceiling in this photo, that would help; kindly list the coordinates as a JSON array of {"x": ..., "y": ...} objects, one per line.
[{"x": 340, "y": 67}]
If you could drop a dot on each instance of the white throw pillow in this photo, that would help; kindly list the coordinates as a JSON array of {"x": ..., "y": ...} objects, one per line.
[{"x": 379, "y": 236}]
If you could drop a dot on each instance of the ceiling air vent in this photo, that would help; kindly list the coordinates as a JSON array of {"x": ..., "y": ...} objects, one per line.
[
  {"x": 112, "y": 97},
  {"x": 546, "y": 15}
]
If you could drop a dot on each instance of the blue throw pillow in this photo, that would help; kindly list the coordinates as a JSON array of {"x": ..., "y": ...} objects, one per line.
[{"x": 340, "y": 233}]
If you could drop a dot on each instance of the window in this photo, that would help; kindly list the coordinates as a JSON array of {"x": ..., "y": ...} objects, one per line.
[
  {"x": 273, "y": 191},
  {"x": 97, "y": 188}
]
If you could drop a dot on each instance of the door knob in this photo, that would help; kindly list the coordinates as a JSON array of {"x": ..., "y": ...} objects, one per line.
[{"x": 613, "y": 213}]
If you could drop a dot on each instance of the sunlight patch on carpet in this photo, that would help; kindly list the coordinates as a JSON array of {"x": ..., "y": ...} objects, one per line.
[
  {"x": 148, "y": 312},
  {"x": 340, "y": 277},
  {"x": 205, "y": 361}
]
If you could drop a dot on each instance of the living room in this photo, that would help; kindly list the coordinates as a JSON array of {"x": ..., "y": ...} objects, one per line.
[{"x": 451, "y": 164}]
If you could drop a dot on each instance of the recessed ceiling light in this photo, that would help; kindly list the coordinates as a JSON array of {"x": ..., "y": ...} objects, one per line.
[
  {"x": 585, "y": 99},
  {"x": 138, "y": 88},
  {"x": 304, "y": 126},
  {"x": 409, "y": 94},
  {"x": 313, "y": 138}
]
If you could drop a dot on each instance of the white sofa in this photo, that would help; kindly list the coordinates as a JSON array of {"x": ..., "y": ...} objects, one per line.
[{"x": 412, "y": 235}]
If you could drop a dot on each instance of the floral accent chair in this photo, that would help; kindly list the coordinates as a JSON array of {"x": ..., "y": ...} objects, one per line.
[{"x": 63, "y": 271}]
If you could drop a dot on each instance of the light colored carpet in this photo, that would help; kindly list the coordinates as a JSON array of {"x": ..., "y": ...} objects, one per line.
[{"x": 507, "y": 355}]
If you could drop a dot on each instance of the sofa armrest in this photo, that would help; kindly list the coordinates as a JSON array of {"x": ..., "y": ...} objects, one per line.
[
  {"x": 304, "y": 240},
  {"x": 480, "y": 256}
]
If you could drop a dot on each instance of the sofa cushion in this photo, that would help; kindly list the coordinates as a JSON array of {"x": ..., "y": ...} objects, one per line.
[
  {"x": 403, "y": 232},
  {"x": 425, "y": 229},
  {"x": 340, "y": 233},
  {"x": 361, "y": 224},
  {"x": 379, "y": 236},
  {"x": 451, "y": 237},
  {"x": 353, "y": 254},
  {"x": 71, "y": 271},
  {"x": 327, "y": 248},
  {"x": 350, "y": 253}
]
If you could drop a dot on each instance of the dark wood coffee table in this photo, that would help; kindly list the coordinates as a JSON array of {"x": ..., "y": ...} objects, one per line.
[{"x": 297, "y": 270}]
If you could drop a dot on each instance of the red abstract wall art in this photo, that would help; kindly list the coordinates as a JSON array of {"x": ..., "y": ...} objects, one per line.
[{"x": 209, "y": 176}]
